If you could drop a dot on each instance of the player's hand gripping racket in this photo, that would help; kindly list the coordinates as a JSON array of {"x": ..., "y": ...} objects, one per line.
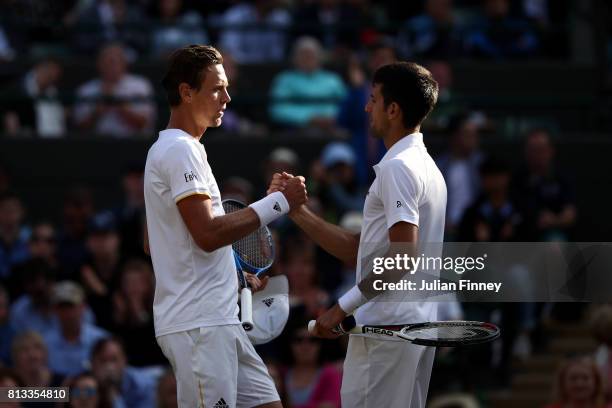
[
  {"x": 450, "y": 333},
  {"x": 254, "y": 254}
]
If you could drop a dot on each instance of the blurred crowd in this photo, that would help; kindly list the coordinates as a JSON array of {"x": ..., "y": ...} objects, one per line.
[
  {"x": 76, "y": 288},
  {"x": 323, "y": 52}
]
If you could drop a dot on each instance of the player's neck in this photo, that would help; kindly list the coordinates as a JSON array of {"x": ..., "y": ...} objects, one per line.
[
  {"x": 179, "y": 119},
  {"x": 395, "y": 134}
]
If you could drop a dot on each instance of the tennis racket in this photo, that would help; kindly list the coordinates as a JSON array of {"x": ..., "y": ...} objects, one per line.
[
  {"x": 452, "y": 333},
  {"x": 254, "y": 254}
]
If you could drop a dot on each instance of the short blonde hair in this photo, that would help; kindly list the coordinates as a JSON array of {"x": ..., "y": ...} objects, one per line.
[
  {"x": 560, "y": 393},
  {"x": 29, "y": 336}
]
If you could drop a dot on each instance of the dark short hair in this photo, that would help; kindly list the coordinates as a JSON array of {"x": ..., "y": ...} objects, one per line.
[
  {"x": 409, "y": 85},
  {"x": 101, "y": 344},
  {"x": 187, "y": 65}
]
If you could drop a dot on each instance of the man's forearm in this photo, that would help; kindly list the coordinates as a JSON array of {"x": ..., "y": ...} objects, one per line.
[
  {"x": 337, "y": 241},
  {"x": 229, "y": 228}
]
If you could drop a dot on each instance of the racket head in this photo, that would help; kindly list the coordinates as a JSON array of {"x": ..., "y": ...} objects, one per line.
[
  {"x": 450, "y": 333},
  {"x": 254, "y": 252}
]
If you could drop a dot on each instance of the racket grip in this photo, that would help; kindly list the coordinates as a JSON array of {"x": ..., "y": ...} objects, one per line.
[{"x": 246, "y": 309}]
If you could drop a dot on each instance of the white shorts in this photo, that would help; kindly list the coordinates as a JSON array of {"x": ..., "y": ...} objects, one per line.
[
  {"x": 217, "y": 366},
  {"x": 381, "y": 373}
]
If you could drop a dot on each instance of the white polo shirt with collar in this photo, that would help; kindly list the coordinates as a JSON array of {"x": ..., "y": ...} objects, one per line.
[
  {"x": 194, "y": 288},
  {"x": 408, "y": 187}
]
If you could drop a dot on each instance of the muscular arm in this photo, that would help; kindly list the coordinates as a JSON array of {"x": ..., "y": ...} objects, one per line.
[
  {"x": 210, "y": 232},
  {"x": 337, "y": 241},
  {"x": 403, "y": 237}
]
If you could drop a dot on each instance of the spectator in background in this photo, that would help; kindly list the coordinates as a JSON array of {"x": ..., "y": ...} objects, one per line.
[
  {"x": 493, "y": 217},
  {"x": 353, "y": 117},
  {"x": 6, "y": 52},
  {"x": 132, "y": 314},
  {"x": 310, "y": 384},
  {"x": 130, "y": 214},
  {"x": 279, "y": 160},
  {"x": 70, "y": 344},
  {"x": 600, "y": 323},
  {"x": 36, "y": 107},
  {"x": 433, "y": 34},
  {"x": 117, "y": 103},
  {"x": 305, "y": 295},
  {"x": 237, "y": 188},
  {"x": 101, "y": 273},
  {"x": 110, "y": 20},
  {"x": 33, "y": 310},
  {"x": 498, "y": 35},
  {"x": 334, "y": 23},
  {"x": 30, "y": 362},
  {"x": 125, "y": 386},
  {"x": 43, "y": 243},
  {"x": 446, "y": 108},
  {"x": 544, "y": 194},
  {"x": 13, "y": 234},
  {"x": 6, "y": 329},
  {"x": 460, "y": 166},
  {"x": 255, "y": 31},
  {"x": 308, "y": 94},
  {"x": 78, "y": 207},
  {"x": 579, "y": 384},
  {"x": 335, "y": 174},
  {"x": 85, "y": 392},
  {"x": 8, "y": 378},
  {"x": 179, "y": 27},
  {"x": 166, "y": 391}
]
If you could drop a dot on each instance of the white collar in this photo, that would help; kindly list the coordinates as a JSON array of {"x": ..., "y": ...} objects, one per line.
[{"x": 413, "y": 139}]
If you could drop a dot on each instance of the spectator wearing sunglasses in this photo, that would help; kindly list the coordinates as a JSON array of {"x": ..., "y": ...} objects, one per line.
[{"x": 85, "y": 393}]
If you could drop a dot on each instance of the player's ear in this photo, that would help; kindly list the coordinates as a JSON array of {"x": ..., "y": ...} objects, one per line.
[
  {"x": 185, "y": 92},
  {"x": 393, "y": 110}
]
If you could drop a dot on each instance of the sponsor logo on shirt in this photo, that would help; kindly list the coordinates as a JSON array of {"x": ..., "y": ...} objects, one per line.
[{"x": 190, "y": 176}]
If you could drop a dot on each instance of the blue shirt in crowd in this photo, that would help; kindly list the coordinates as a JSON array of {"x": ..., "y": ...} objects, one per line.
[
  {"x": 317, "y": 94},
  {"x": 72, "y": 358}
]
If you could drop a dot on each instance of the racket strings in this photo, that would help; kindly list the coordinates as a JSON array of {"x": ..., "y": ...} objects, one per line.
[
  {"x": 450, "y": 333},
  {"x": 255, "y": 248}
]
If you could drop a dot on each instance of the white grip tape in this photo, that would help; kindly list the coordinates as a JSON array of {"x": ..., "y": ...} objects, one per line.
[
  {"x": 311, "y": 326},
  {"x": 270, "y": 207},
  {"x": 246, "y": 309}
]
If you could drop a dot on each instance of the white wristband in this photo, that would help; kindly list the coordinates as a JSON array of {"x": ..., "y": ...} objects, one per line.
[
  {"x": 351, "y": 300},
  {"x": 270, "y": 207}
]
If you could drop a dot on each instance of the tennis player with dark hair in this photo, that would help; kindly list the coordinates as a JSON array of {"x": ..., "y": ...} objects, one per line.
[
  {"x": 405, "y": 205},
  {"x": 189, "y": 238}
]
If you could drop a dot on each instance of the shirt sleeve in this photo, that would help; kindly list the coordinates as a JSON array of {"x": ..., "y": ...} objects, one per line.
[
  {"x": 185, "y": 172},
  {"x": 399, "y": 190}
]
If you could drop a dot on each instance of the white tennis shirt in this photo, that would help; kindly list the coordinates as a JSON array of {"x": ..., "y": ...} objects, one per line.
[
  {"x": 408, "y": 187},
  {"x": 194, "y": 288}
]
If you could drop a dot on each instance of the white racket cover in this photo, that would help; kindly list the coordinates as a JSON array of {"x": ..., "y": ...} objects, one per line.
[{"x": 270, "y": 311}]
